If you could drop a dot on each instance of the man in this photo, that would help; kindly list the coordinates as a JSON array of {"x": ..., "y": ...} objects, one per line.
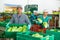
[
  {"x": 34, "y": 17},
  {"x": 19, "y": 18}
]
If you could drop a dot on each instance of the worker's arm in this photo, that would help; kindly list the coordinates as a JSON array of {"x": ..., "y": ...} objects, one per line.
[
  {"x": 28, "y": 22},
  {"x": 49, "y": 18},
  {"x": 27, "y": 19},
  {"x": 32, "y": 19}
]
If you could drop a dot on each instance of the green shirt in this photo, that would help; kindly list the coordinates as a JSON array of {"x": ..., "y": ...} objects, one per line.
[{"x": 45, "y": 19}]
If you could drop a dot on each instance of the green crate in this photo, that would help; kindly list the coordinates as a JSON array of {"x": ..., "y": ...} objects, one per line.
[
  {"x": 11, "y": 34},
  {"x": 56, "y": 34},
  {"x": 3, "y": 24},
  {"x": 51, "y": 37},
  {"x": 17, "y": 24},
  {"x": 7, "y": 20},
  {"x": 29, "y": 37},
  {"x": 20, "y": 38}
]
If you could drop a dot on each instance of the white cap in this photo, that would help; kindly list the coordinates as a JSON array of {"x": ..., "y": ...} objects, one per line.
[
  {"x": 35, "y": 11},
  {"x": 45, "y": 10}
]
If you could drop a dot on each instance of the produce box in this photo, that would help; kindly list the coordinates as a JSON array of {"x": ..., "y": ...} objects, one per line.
[
  {"x": 13, "y": 29},
  {"x": 7, "y": 20},
  {"x": 37, "y": 28},
  {"x": 55, "y": 32},
  {"x": 30, "y": 36},
  {"x": 3, "y": 24},
  {"x": 10, "y": 34}
]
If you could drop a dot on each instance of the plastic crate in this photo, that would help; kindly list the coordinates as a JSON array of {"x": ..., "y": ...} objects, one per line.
[
  {"x": 3, "y": 24},
  {"x": 7, "y": 20},
  {"x": 21, "y": 36},
  {"x": 56, "y": 34},
  {"x": 11, "y": 34}
]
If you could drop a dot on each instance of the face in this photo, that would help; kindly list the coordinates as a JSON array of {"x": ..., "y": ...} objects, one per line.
[
  {"x": 45, "y": 13},
  {"x": 19, "y": 10},
  {"x": 35, "y": 13}
]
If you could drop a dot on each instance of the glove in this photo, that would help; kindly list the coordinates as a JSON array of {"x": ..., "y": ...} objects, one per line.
[
  {"x": 34, "y": 20},
  {"x": 47, "y": 26},
  {"x": 29, "y": 26},
  {"x": 7, "y": 26},
  {"x": 38, "y": 22}
]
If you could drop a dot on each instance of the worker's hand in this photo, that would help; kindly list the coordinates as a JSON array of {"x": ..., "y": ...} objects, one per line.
[
  {"x": 7, "y": 26},
  {"x": 36, "y": 21},
  {"x": 47, "y": 26},
  {"x": 29, "y": 26},
  {"x": 40, "y": 21}
]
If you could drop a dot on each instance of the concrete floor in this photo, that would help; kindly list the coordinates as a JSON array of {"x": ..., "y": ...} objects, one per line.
[{"x": 6, "y": 39}]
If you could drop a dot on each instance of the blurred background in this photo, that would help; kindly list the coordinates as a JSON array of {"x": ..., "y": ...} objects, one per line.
[
  {"x": 8, "y": 8},
  {"x": 42, "y": 4}
]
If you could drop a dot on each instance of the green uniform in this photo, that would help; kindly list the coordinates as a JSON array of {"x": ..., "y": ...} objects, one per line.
[{"x": 45, "y": 19}]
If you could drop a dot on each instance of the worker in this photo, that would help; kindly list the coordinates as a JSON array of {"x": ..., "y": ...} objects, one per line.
[
  {"x": 34, "y": 17},
  {"x": 19, "y": 18},
  {"x": 45, "y": 19}
]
